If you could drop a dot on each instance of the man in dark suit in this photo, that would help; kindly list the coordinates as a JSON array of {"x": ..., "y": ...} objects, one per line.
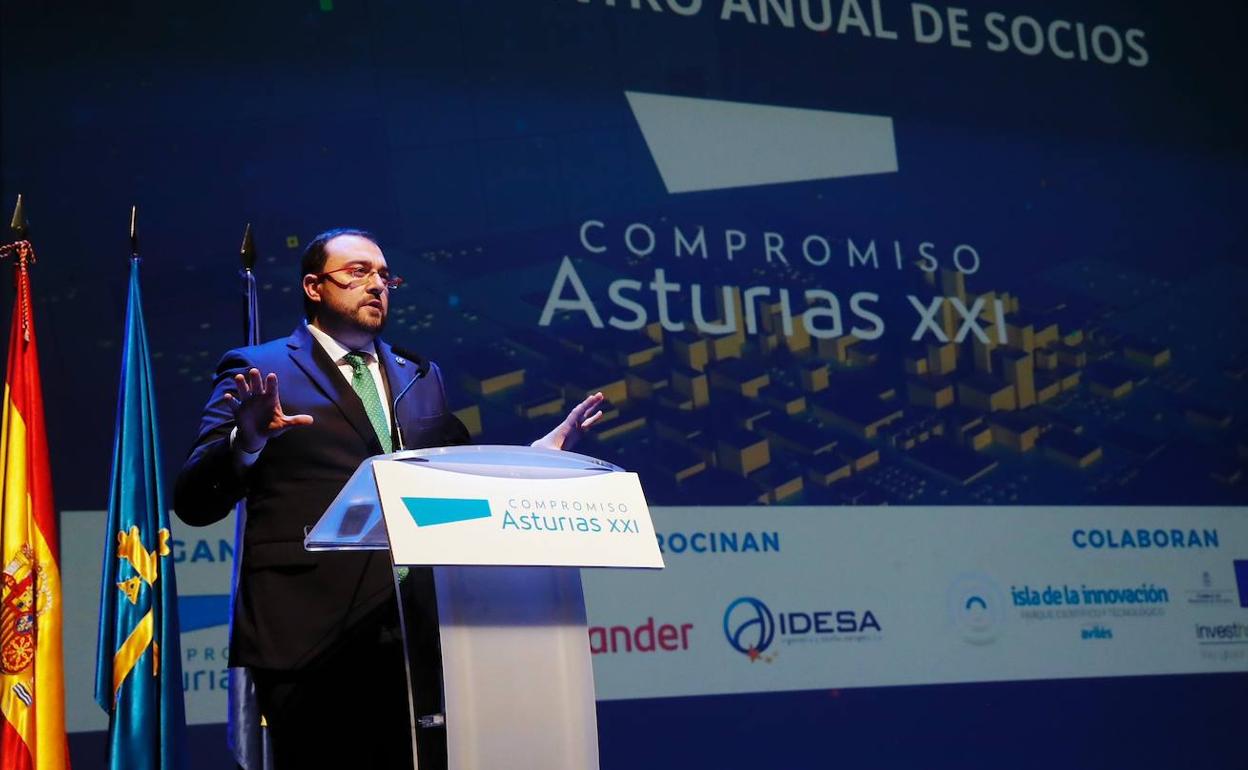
[{"x": 320, "y": 630}]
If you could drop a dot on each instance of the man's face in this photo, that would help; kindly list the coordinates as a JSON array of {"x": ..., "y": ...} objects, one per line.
[{"x": 348, "y": 303}]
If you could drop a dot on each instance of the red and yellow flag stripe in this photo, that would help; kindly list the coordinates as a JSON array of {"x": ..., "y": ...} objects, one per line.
[{"x": 32, "y": 735}]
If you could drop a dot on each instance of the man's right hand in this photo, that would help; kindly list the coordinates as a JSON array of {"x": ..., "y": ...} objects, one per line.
[{"x": 258, "y": 412}]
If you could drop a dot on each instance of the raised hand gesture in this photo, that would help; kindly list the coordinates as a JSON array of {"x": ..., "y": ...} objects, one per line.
[
  {"x": 258, "y": 411},
  {"x": 575, "y": 425}
]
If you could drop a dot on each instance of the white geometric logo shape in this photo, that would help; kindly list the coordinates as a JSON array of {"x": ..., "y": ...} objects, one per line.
[{"x": 708, "y": 144}]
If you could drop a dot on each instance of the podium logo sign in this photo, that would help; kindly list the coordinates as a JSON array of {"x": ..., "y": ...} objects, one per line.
[
  {"x": 431, "y": 511},
  {"x": 583, "y": 521}
]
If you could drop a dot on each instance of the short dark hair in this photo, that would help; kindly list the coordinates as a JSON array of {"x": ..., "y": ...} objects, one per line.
[{"x": 314, "y": 257}]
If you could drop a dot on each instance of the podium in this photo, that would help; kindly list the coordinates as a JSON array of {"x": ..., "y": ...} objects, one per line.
[{"x": 506, "y": 530}]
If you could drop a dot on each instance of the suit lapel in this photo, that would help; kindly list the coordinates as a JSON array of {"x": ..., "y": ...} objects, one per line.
[{"x": 309, "y": 356}]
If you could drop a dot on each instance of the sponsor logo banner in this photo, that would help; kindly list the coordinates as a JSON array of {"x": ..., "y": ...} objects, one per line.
[
  {"x": 881, "y": 596},
  {"x": 856, "y": 597}
]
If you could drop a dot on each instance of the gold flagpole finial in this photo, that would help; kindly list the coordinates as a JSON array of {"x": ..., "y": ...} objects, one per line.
[
  {"x": 134, "y": 231},
  {"x": 19, "y": 226},
  {"x": 248, "y": 250},
  {"x": 24, "y": 256}
]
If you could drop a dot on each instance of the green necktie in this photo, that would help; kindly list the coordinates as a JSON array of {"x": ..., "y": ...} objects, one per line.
[{"x": 366, "y": 388}]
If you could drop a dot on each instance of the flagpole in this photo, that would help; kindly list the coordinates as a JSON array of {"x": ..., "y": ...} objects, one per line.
[
  {"x": 251, "y": 310},
  {"x": 247, "y": 734}
]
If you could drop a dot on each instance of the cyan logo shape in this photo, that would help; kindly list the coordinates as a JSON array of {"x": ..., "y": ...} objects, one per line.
[{"x": 431, "y": 511}]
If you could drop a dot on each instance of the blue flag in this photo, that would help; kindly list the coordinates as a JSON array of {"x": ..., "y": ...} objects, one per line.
[
  {"x": 247, "y": 738},
  {"x": 138, "y": 668}
]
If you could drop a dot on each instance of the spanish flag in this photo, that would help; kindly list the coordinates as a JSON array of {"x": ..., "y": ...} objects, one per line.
[{"x": 33, "y": 697}]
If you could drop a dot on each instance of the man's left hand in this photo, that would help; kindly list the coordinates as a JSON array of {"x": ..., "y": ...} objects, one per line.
[{"x": 576, "y": 424}]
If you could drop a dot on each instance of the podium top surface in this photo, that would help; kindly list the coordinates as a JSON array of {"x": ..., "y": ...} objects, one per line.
[
  {"x": 354, "y": 520},
  {"x": 506, "y": 461}
]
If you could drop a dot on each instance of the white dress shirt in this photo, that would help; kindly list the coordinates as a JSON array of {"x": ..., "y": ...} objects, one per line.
[{"x": 337, "y": 353}]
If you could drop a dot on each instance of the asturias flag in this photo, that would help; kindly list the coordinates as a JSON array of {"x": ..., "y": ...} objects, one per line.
[
  {"x": 138, "y": 668},
  {"x": 31, "y": 667}
]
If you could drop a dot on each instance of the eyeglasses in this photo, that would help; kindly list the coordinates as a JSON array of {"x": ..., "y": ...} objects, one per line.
[{"x": 361, "y": 274}]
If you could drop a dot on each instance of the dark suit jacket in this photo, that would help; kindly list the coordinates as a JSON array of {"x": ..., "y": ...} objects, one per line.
[{"x": 293, "y": 605}]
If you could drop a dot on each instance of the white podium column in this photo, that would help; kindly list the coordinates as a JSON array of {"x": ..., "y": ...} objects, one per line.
[{"x": 516, "y": 669}]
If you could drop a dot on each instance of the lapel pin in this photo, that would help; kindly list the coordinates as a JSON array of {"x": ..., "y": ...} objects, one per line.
[{"x": 400, "y": 361}]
